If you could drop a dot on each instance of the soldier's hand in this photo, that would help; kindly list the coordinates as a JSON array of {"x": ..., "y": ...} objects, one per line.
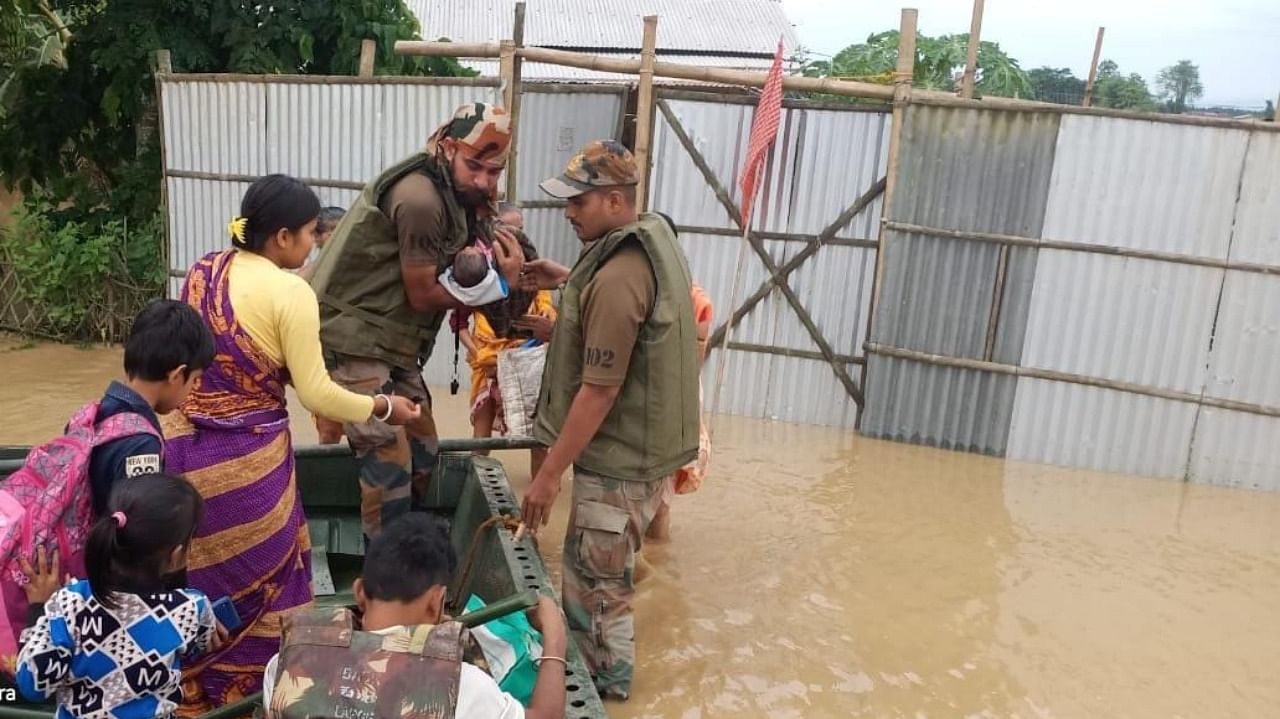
[
  {"x": 510, "y": 256},
  {"x": 535, "y": 510},
  {"x": 543, "y": 274}
]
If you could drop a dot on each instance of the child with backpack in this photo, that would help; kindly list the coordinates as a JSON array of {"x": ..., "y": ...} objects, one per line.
[
  {"x": 47, "y": 507},
  {"x": 113, "y": 645}
]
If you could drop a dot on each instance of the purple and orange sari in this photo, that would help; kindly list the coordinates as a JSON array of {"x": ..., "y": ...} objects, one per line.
[{"x": 231, "y": 440}]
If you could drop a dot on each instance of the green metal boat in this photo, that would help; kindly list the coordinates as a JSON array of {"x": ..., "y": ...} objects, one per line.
[{"x": 466, "y": 489}]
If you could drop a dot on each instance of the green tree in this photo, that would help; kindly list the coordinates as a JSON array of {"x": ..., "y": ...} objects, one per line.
[
  {"x": 31, "y": 35},
  {"x": 1180, "y": 84},
  {"x": 79, "y": 136},
  {"x": 1270, "y": 112},
  {"x": 1117, "y": 90},
  {"x": 939, "y": 64},
  {"x": 1056, "y": 85}
]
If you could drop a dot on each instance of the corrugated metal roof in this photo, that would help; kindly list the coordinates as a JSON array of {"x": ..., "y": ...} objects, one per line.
[
  {"x": 961, "y": 169},
  {"x": 706, "y": 26}
]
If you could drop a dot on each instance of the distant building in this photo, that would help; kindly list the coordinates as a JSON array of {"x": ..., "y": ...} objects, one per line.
[{"x": 736, "y": 34}]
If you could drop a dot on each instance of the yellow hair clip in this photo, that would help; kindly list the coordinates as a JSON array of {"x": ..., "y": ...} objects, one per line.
[{"x": 237, "y": 228}]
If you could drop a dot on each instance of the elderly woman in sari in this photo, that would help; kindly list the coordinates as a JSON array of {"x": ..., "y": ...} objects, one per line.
[{"x": 231, "y": 437}]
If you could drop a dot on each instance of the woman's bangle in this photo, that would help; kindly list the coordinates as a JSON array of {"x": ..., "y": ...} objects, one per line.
[
  {"x": 387, "y": 415},
  {"x": 540, "y": 660}
]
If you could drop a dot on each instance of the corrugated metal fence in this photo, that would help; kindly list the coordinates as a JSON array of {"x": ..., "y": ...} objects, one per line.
[
  {"x": 1090, "y": 291},
  {"x": 826, "y": 159},
  {"x": 223, "y": 132}
]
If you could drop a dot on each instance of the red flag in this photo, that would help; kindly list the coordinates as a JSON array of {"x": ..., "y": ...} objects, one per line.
[{"x": 764, "y": 128}]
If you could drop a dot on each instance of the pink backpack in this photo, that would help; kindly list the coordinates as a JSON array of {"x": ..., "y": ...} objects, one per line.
[{"x": 48, "y": 503}]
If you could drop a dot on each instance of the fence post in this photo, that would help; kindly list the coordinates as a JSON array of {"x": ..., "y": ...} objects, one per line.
[
  {"x": 644, "y": 109},
  {"x": 368, "y": 51},
  {"x": 164, "y": 66},
  {"x": 971, "y": 63},
  {"x": 902, "y": 77},
  {"x": 512, "y": 98},
  {"x": 1093, "y": 69}
]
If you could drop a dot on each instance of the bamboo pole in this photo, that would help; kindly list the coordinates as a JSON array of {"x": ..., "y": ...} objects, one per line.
[
  {"x": 1093, "y": 69},
  {"x": 902, "y": 78},
  {"x": 585, "y": 61},
  {"x": 513, "y": 103},
  {"x": 506, "y": 70},
  {"x": 236, "y": 177},
  {"x": 844, "y": 88},
  {"x": 164, "y": 68},
  {"x": 644, "y": 108},
  {"x": 1111, "y": 250},
  {"x": 1056, "y": 376},
  {"x": 218, "y": 78},
  {"x": 971, "y": 62},
  {"x": 368, "y": 53},
  {"x": 789, "y": 352}
]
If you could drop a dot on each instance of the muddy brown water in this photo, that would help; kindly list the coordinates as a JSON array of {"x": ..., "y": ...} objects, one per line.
[{"x": 822, "y": 574}]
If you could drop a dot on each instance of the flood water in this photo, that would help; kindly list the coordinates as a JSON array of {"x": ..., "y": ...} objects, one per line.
[{"x": 821, "y": 574}]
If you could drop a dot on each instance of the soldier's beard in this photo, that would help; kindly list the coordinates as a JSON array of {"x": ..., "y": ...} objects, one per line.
[{"x": 472, "y": 198}]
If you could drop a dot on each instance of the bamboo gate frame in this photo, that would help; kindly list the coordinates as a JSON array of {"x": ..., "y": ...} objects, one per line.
[{"x": 901, "y": 94}]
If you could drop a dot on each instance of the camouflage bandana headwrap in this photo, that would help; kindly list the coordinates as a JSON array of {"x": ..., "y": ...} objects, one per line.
[{"x": 484, "y": 131}]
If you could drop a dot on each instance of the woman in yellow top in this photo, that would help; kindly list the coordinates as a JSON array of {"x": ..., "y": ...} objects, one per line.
[{"x": 231, "y": 437}]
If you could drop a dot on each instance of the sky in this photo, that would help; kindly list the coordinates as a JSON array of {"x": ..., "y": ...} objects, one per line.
[{"x": 1236, "y": 43}]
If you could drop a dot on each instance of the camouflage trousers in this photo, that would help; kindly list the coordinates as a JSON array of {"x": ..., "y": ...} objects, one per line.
[
  {"x": 606, "y": 524},
  {"x": 395, "y": 462}
]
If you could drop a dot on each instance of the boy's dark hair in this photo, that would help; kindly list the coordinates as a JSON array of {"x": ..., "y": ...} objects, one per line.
[
  {"x": 166, "y": 335},
  {"x": 330, "y": 217},
  {"x": 273, "y": 203},
  {"x": 161, "y": 512},
  {"x": 410, "y": 556}
]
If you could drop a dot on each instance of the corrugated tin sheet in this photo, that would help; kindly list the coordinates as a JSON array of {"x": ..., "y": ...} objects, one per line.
[
  {"x": 961, "y": 169},
  {"x": 337, "y": 131},
  {"x": 553, "y": 126},
  {"x": 324, "y": 131},
  {"x": 215, "y": 127},
  {"x": 412, "y": 112},
  {"x": 1118, "y": 318},
  {"x": 1142, "y": 185},
  {"x": 1236, "y": 449},
  {"x": 707, "y": 26},
  {"x": 803, "y": 192},
  {"x": 1147, "y": 185},
  {"x": 1078, "y": 426},
  {"x": 1257, "y": 231},
  {"x": 198, "y": 214}
]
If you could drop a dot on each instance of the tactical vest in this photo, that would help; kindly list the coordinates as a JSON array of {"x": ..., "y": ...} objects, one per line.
[
  {"x": 652, "y": 429},
  {"x": 328, "y": 669},
  {"x": 363, "y": 308}
]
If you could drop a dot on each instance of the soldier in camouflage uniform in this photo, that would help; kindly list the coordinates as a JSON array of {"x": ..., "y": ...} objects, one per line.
[
  {"x": 406, "y": 660},
  {"x": 384, "y": 283},
  {"x": 619, "y": 399}
]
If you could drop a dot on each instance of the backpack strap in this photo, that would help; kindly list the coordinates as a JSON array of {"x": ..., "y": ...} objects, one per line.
[{"x": 124, "y": 424}]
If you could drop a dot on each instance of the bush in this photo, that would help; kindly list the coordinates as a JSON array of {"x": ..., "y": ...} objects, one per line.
[{"x": 81, "y": 276}]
